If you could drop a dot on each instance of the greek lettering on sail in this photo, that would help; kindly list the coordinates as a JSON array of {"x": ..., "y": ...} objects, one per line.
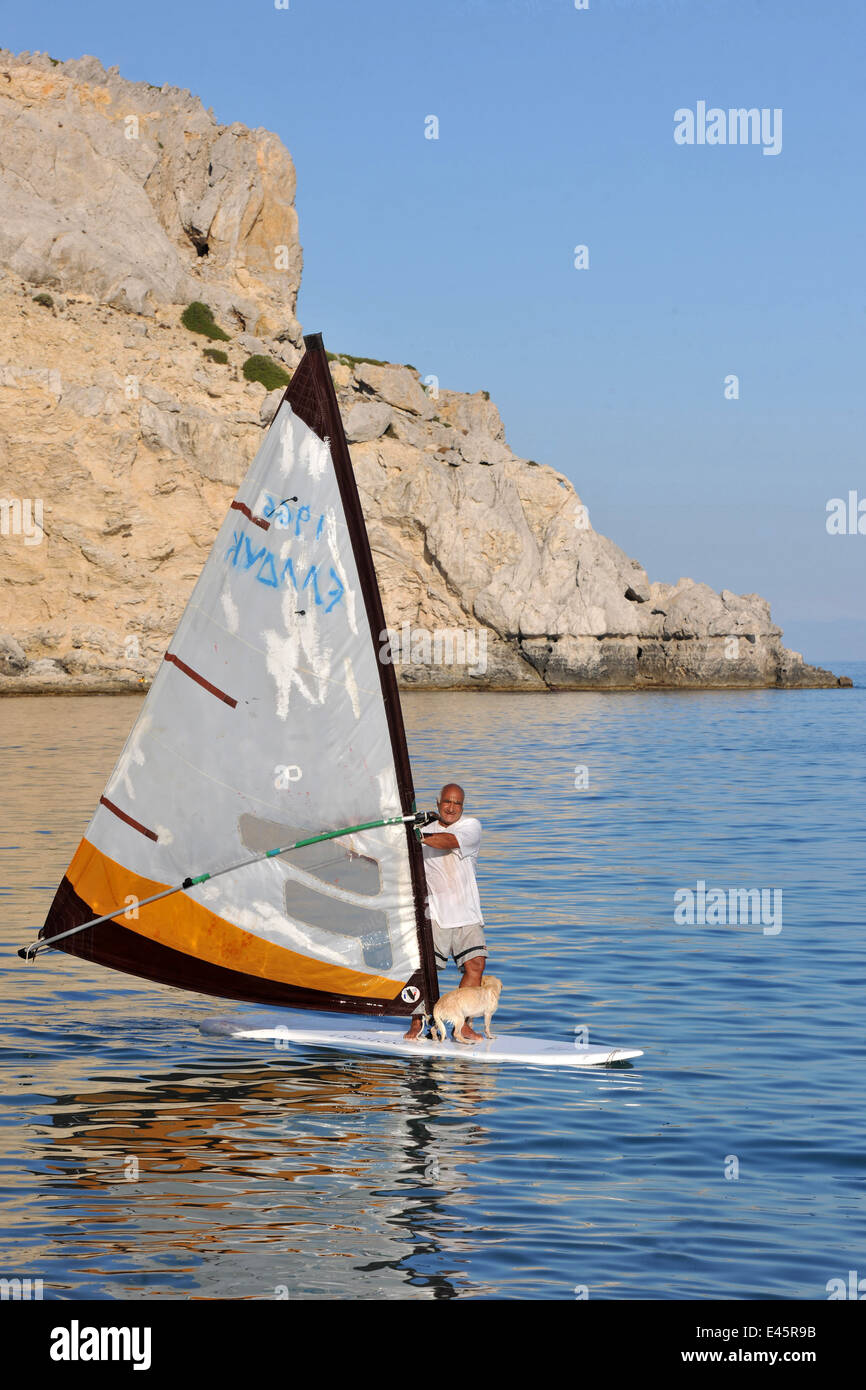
[
  {"x": 267, "y": 573},
  {"x": 237, "y": 542},
  {"x": 281, "y": 515},
  {"x": 277, "y": 572},
  {"x": 335, "y": 594},
  {"x": 249, "y": 557},
  {"x": 311, "y": 575}
]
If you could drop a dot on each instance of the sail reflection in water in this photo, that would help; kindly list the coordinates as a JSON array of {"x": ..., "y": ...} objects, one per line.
[{"x": 327, "y": 1170}]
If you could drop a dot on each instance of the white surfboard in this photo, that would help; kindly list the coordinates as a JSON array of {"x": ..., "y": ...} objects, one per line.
[{"x": 507, "y": 1047}]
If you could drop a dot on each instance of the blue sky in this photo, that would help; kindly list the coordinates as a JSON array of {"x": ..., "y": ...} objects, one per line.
[{"x": 556, "y": 129}]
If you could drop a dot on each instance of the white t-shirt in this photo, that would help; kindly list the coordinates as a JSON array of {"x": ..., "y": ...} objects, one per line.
[{"x": 451, "y": 885}]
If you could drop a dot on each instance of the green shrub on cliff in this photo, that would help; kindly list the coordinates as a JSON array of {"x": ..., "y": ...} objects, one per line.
[
  {"x": 349, "y": 361},
  {"x": 265, "y": 370},
  {"x": 198, "y": 318}
]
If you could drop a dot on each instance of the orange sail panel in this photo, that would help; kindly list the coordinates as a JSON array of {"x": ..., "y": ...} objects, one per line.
[{"x": 270, "y": 720}]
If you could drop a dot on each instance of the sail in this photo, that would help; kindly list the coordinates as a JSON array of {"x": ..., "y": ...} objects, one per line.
[{"x": 271, "y": 719}]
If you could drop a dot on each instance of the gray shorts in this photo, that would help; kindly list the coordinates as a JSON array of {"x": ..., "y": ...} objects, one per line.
[{"x": 461, "y": 943}]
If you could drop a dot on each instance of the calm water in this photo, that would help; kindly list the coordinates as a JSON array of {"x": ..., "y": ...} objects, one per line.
[{"x": 140, "y": 1158}]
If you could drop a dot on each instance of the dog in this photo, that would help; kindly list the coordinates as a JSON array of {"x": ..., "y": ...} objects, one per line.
[{"x": 460, "y": 1004}]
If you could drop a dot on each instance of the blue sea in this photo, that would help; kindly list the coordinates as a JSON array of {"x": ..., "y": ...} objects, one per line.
[{"x": 143, "y": 1159}]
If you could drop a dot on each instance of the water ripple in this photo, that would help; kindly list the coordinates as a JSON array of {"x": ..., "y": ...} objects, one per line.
[{"x": 142, "y": 1159}]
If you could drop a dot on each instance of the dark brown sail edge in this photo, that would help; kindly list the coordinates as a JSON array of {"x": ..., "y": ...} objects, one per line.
[
  {"x": 312, "y": 397},
  {"x": 120, "y": 949}
]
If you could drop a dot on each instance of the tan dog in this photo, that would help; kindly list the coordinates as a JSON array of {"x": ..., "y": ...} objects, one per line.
[{"x": 461, "y": 1004}]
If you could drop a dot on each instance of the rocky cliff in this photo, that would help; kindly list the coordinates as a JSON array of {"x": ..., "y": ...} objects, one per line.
[{"x": 125, "y": 434}]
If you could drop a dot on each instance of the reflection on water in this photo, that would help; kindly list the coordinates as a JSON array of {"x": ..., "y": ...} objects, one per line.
[
  {"x": 141, "y": 1158},
  {"x": 307, "y": 1160},
  {"x": 273, "y": 1176}
]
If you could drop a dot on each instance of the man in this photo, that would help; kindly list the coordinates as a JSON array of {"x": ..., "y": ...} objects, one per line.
[{"x": 450, "y": 852}]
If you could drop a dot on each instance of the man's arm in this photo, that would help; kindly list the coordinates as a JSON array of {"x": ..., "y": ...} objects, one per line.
[{"x": 443, "y": 839}]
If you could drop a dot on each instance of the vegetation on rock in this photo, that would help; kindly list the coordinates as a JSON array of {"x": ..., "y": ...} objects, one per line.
[
  {"x": 267, "y": 371},
  {"x": 349, "y": 361},
  {"x": 198, "y": 318}
]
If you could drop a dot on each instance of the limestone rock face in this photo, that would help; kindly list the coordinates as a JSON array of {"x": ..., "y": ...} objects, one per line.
[
  {"x": 471, "y": 414},
  {"x": 13, "y": 658},
  {"x": 134, "y": 195},
  {"x": 122, "y": 443},
  {"x": 367, "y": 420},
  {"x": 396, "y": 385}
]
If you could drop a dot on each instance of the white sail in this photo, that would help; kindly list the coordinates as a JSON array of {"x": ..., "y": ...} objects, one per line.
[{"x": 270, "y": 720}]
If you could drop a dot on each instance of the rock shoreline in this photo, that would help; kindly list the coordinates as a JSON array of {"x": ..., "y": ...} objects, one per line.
[{"x": 129, "y": 442}]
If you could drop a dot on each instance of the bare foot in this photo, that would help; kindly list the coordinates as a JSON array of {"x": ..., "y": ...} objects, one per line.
[
  {"x": 414, "y": 1031},
  {"x": 468, "y": 1032}
]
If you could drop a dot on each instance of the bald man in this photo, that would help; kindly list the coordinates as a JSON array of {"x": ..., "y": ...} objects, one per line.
[{"x": 450, "y": 851}]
